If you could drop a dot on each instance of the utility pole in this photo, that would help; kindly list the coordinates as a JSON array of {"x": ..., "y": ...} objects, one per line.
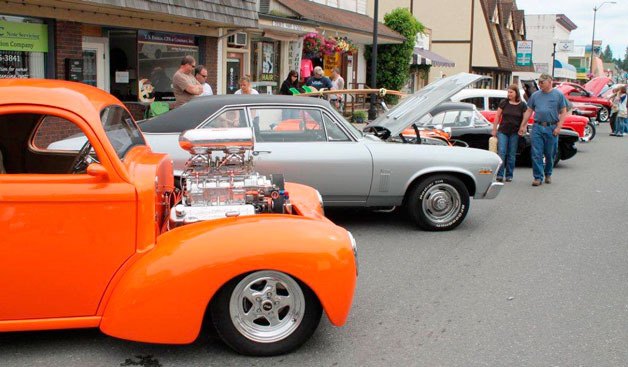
[
  {"x": 372, "y": 107},
  {"x": 553, "y": 59},
  {"x": 595, "y": 9}
]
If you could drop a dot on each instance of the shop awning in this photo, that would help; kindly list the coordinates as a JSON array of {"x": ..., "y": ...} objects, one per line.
[
  {"x": 560, "y": 65},
  {"x": 425, "y": 57}
]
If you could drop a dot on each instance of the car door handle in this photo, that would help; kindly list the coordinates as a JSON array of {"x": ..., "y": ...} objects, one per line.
[{"x": 258, "y": 152}]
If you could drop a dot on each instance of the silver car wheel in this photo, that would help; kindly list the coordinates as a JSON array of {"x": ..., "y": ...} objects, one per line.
[
  {"x": 603, "y": 115},
  {"x": 441, "y": 203},
  {"x": 267, "y": 306}
]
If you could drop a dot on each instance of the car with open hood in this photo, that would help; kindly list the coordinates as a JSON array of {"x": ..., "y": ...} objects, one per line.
[
  {"x": 465, "y": 123},
  {"x": 311, "y": 143},
  {"x": 589, "y": 93}
]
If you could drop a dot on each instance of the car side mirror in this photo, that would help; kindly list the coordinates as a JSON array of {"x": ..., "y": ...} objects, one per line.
[{"x": 97, "y": 170}]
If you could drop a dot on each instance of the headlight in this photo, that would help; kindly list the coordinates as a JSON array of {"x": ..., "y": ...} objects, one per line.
[{"x": 354, "y": 247}]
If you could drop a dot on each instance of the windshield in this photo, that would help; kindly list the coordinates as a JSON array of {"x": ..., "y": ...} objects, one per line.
[
  {"x": 352, "y": 129},
  {"x": 120, "y": 129}
]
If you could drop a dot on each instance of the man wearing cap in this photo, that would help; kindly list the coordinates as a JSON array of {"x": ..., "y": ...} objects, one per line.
[
  {"x": 550, "y": 108},
  {"x": 319, "y": 80}
]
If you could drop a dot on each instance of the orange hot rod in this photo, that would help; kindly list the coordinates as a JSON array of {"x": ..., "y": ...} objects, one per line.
[{"x": 102, "y": 237}]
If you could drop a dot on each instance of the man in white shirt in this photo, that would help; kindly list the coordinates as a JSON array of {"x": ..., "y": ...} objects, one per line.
[{"x": 200, "y": 73}]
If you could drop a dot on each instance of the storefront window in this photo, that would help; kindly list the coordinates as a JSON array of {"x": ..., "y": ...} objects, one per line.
[
  {"x": 159, "y": 57},
  {"x": 265, "y": 65},
  {"x": 23, "y": 47}
]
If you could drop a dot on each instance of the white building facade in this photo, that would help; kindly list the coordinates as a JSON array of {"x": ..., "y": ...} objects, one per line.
[{"x": 546, "y": 32}]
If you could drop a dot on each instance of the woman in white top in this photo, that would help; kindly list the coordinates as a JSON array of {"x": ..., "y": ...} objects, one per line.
[{"x": 245, "y": 86}]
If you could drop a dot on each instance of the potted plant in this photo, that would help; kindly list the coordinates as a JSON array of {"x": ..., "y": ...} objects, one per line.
[{"x": 359, "y": 117}]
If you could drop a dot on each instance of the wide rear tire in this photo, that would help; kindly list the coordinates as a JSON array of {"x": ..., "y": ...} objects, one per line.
[
  {"x": 265, "y": 313},
  {"x": 438, "y": 203}
]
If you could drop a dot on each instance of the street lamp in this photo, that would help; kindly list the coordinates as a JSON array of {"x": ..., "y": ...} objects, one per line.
[
  {"x": 553, "y": 59},
  {"x": 595, "y": 9}
]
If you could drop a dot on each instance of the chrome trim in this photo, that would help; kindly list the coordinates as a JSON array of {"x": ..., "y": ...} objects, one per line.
[
  {"x": 493, "y": 190},
  {"x": 354, "y": 247}
]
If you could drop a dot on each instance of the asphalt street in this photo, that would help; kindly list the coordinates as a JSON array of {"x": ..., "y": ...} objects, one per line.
[{"x": 536, "y": 277}]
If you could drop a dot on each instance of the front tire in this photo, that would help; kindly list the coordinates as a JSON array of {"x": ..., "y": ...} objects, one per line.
[
  {"x": 438, "y": 203},
  {"x": 265, "y": 313},
  {"x": 589, "y": 132},
  {"x": 603, "y": 114}
]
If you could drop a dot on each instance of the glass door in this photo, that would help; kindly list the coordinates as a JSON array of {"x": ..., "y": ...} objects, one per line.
[{"x": 95, "y": 64}]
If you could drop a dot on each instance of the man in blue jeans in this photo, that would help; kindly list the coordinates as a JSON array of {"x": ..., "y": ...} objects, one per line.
[{"x": 550, "y": 108}]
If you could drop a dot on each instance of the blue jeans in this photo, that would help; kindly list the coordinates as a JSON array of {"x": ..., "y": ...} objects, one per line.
[
  {"x": 507, "y": 150},
  {"x": 544, "y": 143},
  {"x": 620, "y": 125}
]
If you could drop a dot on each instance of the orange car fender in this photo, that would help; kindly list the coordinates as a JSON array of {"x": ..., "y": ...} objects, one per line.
[{"x": 163, "y": 296}]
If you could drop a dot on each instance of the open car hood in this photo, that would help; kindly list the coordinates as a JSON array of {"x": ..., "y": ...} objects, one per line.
[
  {"x": 595, "y": 85},
  {"x": 415, "y": 106}
]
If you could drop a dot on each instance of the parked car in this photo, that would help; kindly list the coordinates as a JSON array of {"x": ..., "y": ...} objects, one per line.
[
  {"x": 488, "y": 100},
  {"x": 349, "y": 168},
  {"x": 589, "y": 93},
  {"x": 464, "y": 122},
  {"x": 99, "y": 237}
]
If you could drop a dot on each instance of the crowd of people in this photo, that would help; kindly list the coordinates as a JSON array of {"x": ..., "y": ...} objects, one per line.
[{"x": 190, "y": 81}]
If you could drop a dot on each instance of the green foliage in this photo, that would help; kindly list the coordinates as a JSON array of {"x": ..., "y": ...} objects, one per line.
[
  {"x": 360, "y": 115},
  {"x": 607, "y": 55},
  {"x": 393, "y": 61},
  {"x": 624, "y": 63}
]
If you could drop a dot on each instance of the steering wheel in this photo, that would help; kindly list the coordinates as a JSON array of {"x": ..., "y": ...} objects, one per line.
[{"x": 83, "y": 159}]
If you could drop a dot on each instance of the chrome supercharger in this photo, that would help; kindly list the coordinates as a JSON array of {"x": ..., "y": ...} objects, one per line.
[{"x": 220, "y": 181}]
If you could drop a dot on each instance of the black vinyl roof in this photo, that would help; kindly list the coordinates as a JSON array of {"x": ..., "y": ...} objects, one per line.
[{"x": 191, "y": 114}]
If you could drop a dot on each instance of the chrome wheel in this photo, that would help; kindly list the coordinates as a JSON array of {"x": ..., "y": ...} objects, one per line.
[
  {"x": 603, "y": 114},
  {"x": 441, "y": 203},
  {"x": 267, "y": 306}
]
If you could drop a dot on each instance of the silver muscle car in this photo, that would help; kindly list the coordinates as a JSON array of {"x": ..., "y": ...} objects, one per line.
[{"x": 309, "y": 142}]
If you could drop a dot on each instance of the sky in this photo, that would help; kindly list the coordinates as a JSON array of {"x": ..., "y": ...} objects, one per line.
[{"x": 611, "y": 25}]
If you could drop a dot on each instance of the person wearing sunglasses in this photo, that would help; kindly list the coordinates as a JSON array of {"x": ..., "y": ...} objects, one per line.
[
  {"x": 184, "y": 84},
  {"x": 200, "y": 73}
]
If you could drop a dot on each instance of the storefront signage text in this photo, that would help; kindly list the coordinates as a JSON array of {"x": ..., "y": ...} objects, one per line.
[
  {"x": 159, "y": 37},
  {"x": 27, "y": 37},
  {"x": 290, "y": 26},
  {"x": 524, "y": 53}
]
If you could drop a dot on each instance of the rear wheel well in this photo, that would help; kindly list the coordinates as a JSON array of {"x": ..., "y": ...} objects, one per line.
[{"x": 467, "y": 180}]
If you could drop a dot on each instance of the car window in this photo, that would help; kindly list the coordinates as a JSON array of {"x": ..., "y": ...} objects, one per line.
[
  {"x": 40, "y": 144},
  {"x": 121, "y": 130},
  {"x": 493, "y": 103},
  {"x": 334, "y": 132},
  {"x": 464, "y": 119},
  {"x": 288, "y": 125},
  {"x": 450, "y": 118},
  {"x": 479, "y": 119},
  {"x": 477, "y": 101},
  {"x": 228, "y": 118}
]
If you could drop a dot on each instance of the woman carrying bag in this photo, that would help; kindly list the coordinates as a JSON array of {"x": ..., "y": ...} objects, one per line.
[{"x": 508, "y": 120}]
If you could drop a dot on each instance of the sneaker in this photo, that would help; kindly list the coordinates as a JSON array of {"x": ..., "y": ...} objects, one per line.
[
  {"x": 536, "y": 183},
  {"x": 508, "y": 179},
  {"x": 548, "y": 179},
  {"x": 499, "y": 179}
]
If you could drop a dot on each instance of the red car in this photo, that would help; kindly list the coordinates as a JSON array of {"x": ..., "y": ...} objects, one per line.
[{"x": 589, "y": 93}]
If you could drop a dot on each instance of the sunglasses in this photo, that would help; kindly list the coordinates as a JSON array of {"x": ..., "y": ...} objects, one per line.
[{"x": 204, "y": 76}]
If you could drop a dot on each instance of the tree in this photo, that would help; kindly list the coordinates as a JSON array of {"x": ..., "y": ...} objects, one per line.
[
  {"x": 393, "y": 61},
  {"x": 607, "y": 55},
  {"x": 624, "y": 63}
]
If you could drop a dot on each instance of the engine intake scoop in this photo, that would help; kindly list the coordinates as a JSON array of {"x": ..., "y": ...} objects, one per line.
[{"x": 223, "y": 139}]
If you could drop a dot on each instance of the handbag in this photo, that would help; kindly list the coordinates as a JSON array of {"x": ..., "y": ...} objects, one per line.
[{"x": 492, "y": 144}]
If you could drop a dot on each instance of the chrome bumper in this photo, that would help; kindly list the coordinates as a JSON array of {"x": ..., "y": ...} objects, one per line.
[{"x": 493, "y": 190}]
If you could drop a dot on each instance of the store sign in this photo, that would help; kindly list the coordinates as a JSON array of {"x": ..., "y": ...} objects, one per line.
[
  {"x": 524, "y": 53},
  {"x": 268, "y": 66},
  {"x": 565, "y": 45},
  {"x": 288, "y": 26},
  {"x": 295, "y": 50},
  {"x": 27, "y": 37},
  {"x": 330, "y": 62},
  {"x": 160, "y": 37},
  {"x": 13, "y": 65}
]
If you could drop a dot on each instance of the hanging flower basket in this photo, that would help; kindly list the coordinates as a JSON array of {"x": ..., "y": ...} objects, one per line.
[{"x": 313, "y": 45}]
